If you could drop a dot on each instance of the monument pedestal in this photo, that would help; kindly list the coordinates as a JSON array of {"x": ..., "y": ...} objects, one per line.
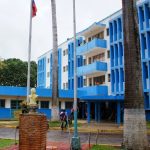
[{"x": 32, "y": 132}]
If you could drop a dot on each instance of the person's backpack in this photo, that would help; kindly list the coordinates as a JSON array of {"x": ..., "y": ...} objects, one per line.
[{"x": 63, "y": 116}]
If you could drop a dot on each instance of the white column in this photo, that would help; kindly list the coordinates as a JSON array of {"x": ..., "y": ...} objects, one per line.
[
  {"x": 7, "y": 103},
  {"x": 63, "y": 105},
  {"x": 50, "y": 104},
  {"x": 87, "y": 81}
]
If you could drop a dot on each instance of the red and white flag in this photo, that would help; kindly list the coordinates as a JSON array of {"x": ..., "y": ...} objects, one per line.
[{"x": 34, "y": 9}]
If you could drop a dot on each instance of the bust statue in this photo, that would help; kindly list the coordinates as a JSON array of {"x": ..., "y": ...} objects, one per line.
[{"x": 33, "y": 97}]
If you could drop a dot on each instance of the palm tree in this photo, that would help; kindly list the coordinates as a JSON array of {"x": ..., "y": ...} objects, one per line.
[
  {"x": 135, "y": 137},
  {"x": 55, "y": 104}
]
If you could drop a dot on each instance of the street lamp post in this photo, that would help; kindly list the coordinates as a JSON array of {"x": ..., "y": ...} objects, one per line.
[{"x": 75, "y": 143}]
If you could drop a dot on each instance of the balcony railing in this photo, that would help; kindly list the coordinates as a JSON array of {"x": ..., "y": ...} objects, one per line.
[
  {"x": 92, "y": 68},
  {"x": 88, "y": 47},
  {"x": 93, "y": 91}
]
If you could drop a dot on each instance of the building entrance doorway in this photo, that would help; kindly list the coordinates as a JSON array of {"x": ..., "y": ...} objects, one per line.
[{"x": 108, "y": 111}]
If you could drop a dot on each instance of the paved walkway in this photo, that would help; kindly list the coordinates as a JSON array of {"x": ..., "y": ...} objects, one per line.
[
  {"x": 110, "y": 133},
  {"x": 92, "y": 127}
]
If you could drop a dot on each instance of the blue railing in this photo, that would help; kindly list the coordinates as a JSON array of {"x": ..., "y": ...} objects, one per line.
[
  {"x": 21, "y": 91},
  {"x": 92, "y": 68},
  {"x": 86, "y": 48},
  {"x": 100, "y": 90}
]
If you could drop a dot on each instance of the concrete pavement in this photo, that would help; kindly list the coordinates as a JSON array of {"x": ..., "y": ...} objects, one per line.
[
  {"x": 62, "y": 139},
  {"x": 83, "y": 127}
]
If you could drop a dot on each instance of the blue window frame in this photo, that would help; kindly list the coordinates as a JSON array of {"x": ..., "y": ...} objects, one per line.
[
  {"x": 44, "y": 104},
  {"x": 2, "y": 103},
  {"x": 15, "y": 104}
]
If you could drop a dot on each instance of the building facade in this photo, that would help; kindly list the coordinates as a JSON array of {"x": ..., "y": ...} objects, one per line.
[
  {"x": 100, "y": 68},
  {"x": 100, "y": 65}
]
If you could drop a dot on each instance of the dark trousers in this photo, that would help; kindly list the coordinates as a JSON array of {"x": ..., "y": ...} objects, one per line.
[{"x": 63, "y": 124}]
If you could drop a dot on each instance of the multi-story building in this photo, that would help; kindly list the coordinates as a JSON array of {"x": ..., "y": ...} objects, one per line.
[
  {"x": 100, "y": 65},
  {"x": 100, "y": 68}
]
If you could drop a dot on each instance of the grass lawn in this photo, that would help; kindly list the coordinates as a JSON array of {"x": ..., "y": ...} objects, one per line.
[
  {"x": 102, "y": 147},
  {"x": 148, "y": 124},
  {"x": 54, "y": 124},
  {"x": 6, "y": 143},
  {"x": 58, "y": 123}
]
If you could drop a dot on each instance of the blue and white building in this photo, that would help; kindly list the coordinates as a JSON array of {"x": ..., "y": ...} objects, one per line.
[{"x": 100, "y": 70}]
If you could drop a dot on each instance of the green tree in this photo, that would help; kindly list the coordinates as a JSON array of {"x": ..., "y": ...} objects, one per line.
[
  {"x": 135, "y": 137},
  {"x": 14, "y": 73},
  {"x": 55, "y": 104},
  {"x": 2, "y": 64}
]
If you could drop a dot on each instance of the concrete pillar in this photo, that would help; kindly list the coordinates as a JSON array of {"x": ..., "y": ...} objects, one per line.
[
  {"x": 96, "y": 115},
  {"x": 118, "y": 113},
  {"x": 99, "y": 112},
  {"x": 88, "y": 111},
  {"x": 83, "y": 110},
  {"x": 63, "y": 105},
  {"x": 7, "y": 103},
  {"x": 87, "y": 80},
  {"x": 50, "y": 104},
  {"x": 39, "y": 105}
]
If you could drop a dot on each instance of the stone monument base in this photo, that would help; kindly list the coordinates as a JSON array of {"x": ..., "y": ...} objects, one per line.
[{"x": 32, "y": 132}]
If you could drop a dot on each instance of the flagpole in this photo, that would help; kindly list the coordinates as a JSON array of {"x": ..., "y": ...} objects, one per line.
[
  {"x": 29, "y": 52},
  {"x": 75, "y": 143}
]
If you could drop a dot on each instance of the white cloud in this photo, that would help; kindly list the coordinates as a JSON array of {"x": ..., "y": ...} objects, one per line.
[{"x": 14, "y": 23}]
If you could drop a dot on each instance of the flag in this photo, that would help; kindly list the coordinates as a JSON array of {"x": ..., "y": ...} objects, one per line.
[{"x": 34, "y": 9}]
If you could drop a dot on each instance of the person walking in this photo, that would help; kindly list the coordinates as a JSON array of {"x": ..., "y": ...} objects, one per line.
[{"x": 63, "y": 119}]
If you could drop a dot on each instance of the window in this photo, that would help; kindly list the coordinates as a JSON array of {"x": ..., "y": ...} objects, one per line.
[
  {"x": 102, "y": 57},
  {"x": 84, "y": 62},
  {"x": 48, "y": 60},
  {"x": 101, "y": 35},
  {"x": 108, "y": 54},
  {"x": 44, "y": 104},
  {"x": 99, "y": 80},
  {"x": 69, "y": 105},
  {"x": 64, "y": 53},
  {"x": 2, "y": 103},
  {"x": 99, "y": 57},
  {"x": 107, "y": 30},
  {"x": 63, "y": 85},
  {"x": 67, "y": 68},
  {"x": 89, "y": 39},
  {"x": 90, "y": 60},
  {"x": 67, "y": 85},
  {"x": 85, "y": 82},
  {"x": 108, "y": 77},
  {"x": 64, "y": 69},
  {"x": 15, "y": 104},
  {"x": 48, "y": 74},
  {"x": 90, "y": 81}
]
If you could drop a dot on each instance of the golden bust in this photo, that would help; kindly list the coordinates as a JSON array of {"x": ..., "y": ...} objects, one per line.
[{"x": 33, "y": 97}]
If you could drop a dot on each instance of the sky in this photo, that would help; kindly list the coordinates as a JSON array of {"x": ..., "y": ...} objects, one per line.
[{"x": 14, "y": 24}]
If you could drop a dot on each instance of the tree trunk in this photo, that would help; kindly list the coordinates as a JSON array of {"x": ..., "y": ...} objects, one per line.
[
  {"x": 135, "y": 136},
  {"x": 55, "y": 104}
]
